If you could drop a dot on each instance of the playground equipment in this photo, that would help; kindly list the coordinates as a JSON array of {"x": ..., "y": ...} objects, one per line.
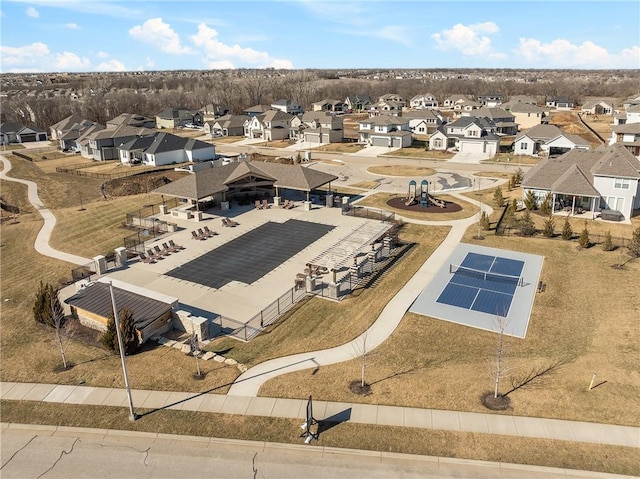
[{"x": 426, "y": 199}]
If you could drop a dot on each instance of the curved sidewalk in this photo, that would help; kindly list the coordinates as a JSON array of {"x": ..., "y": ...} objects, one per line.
[
  {"x": 249, "y": 383},
  {"x": 42, "y": 240},
  {"x": 554, "y": 429}
]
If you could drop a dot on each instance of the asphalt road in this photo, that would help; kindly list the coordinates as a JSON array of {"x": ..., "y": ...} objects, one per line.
[{"x": 49, "y": 452}]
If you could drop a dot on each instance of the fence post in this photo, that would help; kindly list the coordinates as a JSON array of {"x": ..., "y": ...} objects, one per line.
[{"x": 278, "y": 305}]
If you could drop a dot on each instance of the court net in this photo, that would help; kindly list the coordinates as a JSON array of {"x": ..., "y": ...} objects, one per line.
[{"x": 486, "y": 275}]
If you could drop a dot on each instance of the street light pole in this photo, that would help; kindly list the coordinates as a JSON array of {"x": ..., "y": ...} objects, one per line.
[{"x": 132, "y": 414}]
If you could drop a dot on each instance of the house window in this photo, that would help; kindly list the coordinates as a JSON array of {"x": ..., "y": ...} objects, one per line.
[
  {"x": 437, "y": 143},
  {"x": 524, "y": 146},
  {"x": 621, "y": 184}
]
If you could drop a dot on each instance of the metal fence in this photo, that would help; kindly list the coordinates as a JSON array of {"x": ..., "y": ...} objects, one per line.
[
  {"x": 368, "y": 213},
  {"x": 594, "y": 238},
  {"x": 83, "y": 272},
  {"x": 247, "y": 330},
  {"x": 109, "y": 176}
]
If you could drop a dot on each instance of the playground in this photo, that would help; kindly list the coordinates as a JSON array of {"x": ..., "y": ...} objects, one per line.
[{"x": 419, "y": 199}]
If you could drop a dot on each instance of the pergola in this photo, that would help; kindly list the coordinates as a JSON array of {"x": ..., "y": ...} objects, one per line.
[{"x": 227, "y": 180}]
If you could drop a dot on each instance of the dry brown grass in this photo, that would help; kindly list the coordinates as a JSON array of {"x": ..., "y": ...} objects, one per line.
[
  {"x": 509, "y": 449},
  {"x": 401, "y": 170},
  {"x": 511, "y": 159},
  {"x": 418, "y": 151},
  {"x": 366, "y": 185},
  {"x": 492, "y": 174},
  {"x": 228, "y": 139},
  {"x": 340, "y": 148},
  {"x": 600, "y": 123},
  {"x": 569, "y": 122},
  {"x": 379, "y": 200},
  {"x": 50, "y": 165}
]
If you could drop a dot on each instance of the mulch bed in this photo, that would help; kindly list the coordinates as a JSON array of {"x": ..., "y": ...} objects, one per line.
[{"x": 399, "y": 203}]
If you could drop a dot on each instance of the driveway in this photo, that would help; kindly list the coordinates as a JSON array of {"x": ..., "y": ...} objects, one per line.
[{"x": 372, "y": 151}]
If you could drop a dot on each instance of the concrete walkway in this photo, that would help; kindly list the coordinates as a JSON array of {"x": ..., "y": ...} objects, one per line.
[
  {"x": 42, "y": 240},
  {"x": 249, "y": 383},
  {"x": 330, "y": 411}
]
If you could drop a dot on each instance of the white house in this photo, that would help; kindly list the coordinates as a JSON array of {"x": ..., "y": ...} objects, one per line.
[
  {"x": 467, "y": 134},
  {"x": 426, "y": 100},
  {"x": 423, "y": 121},
  {"x": 598, "y": 107},
  {"x": 271, "y": 125},
  {"x": 385, "y": 130},
  {"x": 165, "y": 149},
  {"x": 288, "y": 106},
  {"x": 607, "y": 178},
  {"x": 317, "y": 127},
  {"x": 504, "y": 121}
]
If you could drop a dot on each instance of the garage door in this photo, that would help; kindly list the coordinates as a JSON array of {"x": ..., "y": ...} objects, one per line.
[
  {"x": 397, "y": 142},
  {"x": 469, "y": 147},
  {"x": 380, "y": 141}
]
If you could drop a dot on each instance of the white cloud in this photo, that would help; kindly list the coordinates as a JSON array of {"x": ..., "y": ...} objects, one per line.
[
  {"x": 67, "y": 61},
  {"x": 71, "y": 26},
  {"x": 32, "y": 12},
  {"x": 468, "y": 39},
  {"x": 563, "y": 53},
  {"x": 111, "y": 66},
  {"x": 27, "y": 56},
  {"x": 217, "y": 53},
  {"x": 102, "y": 54},
  {"x": 156, "y": 32}
]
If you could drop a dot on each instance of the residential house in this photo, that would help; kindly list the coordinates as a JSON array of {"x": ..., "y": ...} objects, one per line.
[
  {"x": 426, "y": 100},
  {"x": 490, "y": 100},
  {"x": 102, "y": 144},
  {"x": 607, "y": 178},
  {"x": 559, "y": 103},
  {"x": 178, "y": 117},
  {"x": 395, "y": 98},
  {"x": 271, "y": 125},
  {"x": 227, "y": 125},
  {"x": 358, "y": 102},
  {"x": 212, "y": 111},
  {"x": 467, "y": 134},
  {"x": 256, "y": 110},
  {"x": 533, "y": 141},
  {"x": 521, "y": 99},
  {"x": 288, "y": 106},
  {"x": 465, "y": 106},
  {"x": 385, "y": 130},
  {"x": 386, "y": 107},
  {"x": 423, "y": 122},
  {"x": 18, "y": 133},
  {"x": 165, "y": 149},
  {"x": 526, "y": 115},
  {"x": 330, "y": 105},
  {"x": 453, "y": 100},
  {"x": 627, "y": 135},
  {"x": 81, "y": 144},
  {"x": 598, "y": 107},
  {"x": 152, "y": 312},
  {"x": 565, "y": 142},
  {"x": 72, "y": 122},
  {"x": 630, "y": 115},
  {"x": 632, "y": 101},
  {"x": 137, "y": 121},
  {"x": 504, "y": 121},
  {"x": 317, "y": 127}
]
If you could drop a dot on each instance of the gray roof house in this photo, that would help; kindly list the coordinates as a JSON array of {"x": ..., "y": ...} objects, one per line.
[
  {"x": 467, "y": 134},
  {"x": 227, "y": 125},
  {"x": 548, "y": 139},
  {"x": 18, "y": 133},
  {"x": 589, "y": 181},
  {"x": 288, "y": 106},
  {"x": 165, "y": 149}
]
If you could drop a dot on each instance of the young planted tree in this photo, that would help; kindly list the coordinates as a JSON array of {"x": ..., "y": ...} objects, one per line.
[
  {"x": 42, "y": 306},
  {"x": 546, "y": 204},
  {"x": 195, "y": 352},
  {"x": 567, "y": 231},
  {"x": 634, "y": 244},
  {"x": 62, "y": 330},
  {"x": 498, "y": 198},
  {"x": 526, "y": 224},
  {"x": 530, "y": 201},
  {"x": 607, "y": 243},
  {"x": 128, "y": 332},
  {"x": 549, "y": 227},
  {"x": 519, "y": 175},
  {"x": 485, "y": 224},
  {"x": 362, "y": 351},
  {"x": 583, "y": 239}
]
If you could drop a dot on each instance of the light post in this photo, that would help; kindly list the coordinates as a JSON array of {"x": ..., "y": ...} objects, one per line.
[{"x": 132, "y": 414}]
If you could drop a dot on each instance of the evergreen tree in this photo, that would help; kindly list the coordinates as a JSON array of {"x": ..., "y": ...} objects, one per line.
[
  {"x": 530, "y": 201},
  {"x": 485, "y": 224},
  {"x": 549, "y": 227},
  {"x": 519, "y": 175},
  {"x": 498, "y": 198},
  {"x": 567, "y": 232},
  {"x": 127, "y": 331},
  {"x": 634, "y": 244},
  {"x": 526, "y": 225},
  {"x": 607, "y": 244},
  {"x": 46, "y": 299},
  {"x": 546, "y": 206},
  {"x": 109, "y": 338},
  {"x": 583, "y": 240}
]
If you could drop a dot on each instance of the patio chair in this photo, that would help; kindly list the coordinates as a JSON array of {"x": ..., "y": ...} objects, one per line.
[
  {"x": 195, "y": 235},
  {"x": 290, "y": 205},
  {"x": 265, "y": 204},
  {"x": 160, "y": 252},
  {"x": 258, "y": 205},
  {"x": 170, "y": 249},
  {"x": 146, "y": 259},
  {"x": 232, "y": 222},
  {"x": 176, "y": 247},
  {"x": 202, "y": 234},
  {"x": 208, "y": 232},
  {"x": 153, "y": 255}
]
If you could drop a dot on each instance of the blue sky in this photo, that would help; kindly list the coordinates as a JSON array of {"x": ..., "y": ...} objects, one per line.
[{"x": 113, "y": 35}]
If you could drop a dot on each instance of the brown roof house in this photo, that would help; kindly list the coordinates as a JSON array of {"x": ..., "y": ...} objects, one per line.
[
  {"x": 607, "y": 178},
  {"x": 152, "y": 311}
]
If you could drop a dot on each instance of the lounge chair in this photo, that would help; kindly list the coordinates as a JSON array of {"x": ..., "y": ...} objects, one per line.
[
  {"x": 228, "y": 222},
  {"x": 258, "y": 205},
  {"x": 290, "y": 205},
  {"x": 160, "y": 252},
  {"x": 195, "y": 235},
  {"x": 208, "y": 232},
  {"x": 153, "y": 255},
  {"x": 265, "y": 204},
  {"x": 170, "y": 249},
  {"x": 202, "y": 234},
  {"x": 146, "y": 259},
  {"x": 176, "y": 247},
  {"x": 232, "y": 223}
]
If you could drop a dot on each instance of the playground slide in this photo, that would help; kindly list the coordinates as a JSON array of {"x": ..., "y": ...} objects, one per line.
[
  {"x": 437, "y": 202},
  {"x": 411, "y": 200}
]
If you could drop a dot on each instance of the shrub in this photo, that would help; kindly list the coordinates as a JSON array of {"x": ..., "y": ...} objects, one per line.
[
  {"x": 127, "y": 331},
  {"x": 634, "y": 244},
  {"x": 607, "y": 243},
  {"x": 526, "y": 225},
  {"x": 583, "y": 239},
  {"x": 530, "y": 201},
  {"x": 42, "y": 307},
  {"x": 498, "y": 198},
  {"x": 546, "y": 206},
  {"x": 567, "y": 232},
  {"x": 548, "y": 230},
  {"x": 519, "y": 175},
  {"x": 485, "y": 224}
]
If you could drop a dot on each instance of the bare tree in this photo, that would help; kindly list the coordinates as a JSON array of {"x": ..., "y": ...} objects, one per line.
[
  {"x": 62, "y": 331},
  {"x": 362, "y": 350},
  {"x": 499, "y": 370},
  {"x": 195, "y": 352}
]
